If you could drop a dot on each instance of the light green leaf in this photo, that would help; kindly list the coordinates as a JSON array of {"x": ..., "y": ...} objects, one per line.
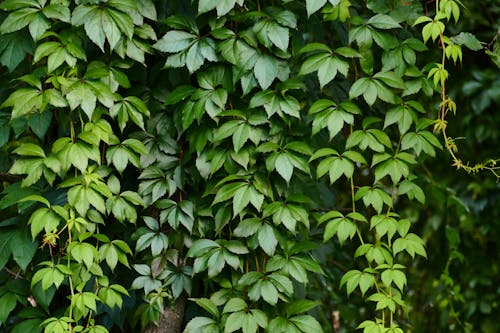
[
  {"x": 241, "y": 199},
  {"x": 146, "y": 8},
  {"x": 267, "y": 239},
  {"x": 18, "y": 19},
  {"x": 313, "y": 6},
  {"x": 284, "y": 166},
  {"x": 265, "y": 70},
  {"x": 175, "y": 41},
  {"x": 30, "y": 149},
  {"x": 278, "y": 35}
]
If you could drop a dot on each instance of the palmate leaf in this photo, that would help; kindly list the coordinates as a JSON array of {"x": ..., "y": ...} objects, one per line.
[
  {"x": 43, "y": 218},
  {"x": 175, "y": 41},
  {"x": 326, "y": 62},
  {"x": 412, "y": 244},
  {"x": 188, "y": 49},
  {"x": 104, "y": 23},
  {"x": 354, "y": 278},
  {"x": 373, "y": 196},
  {"x": 86, "y": 93}
]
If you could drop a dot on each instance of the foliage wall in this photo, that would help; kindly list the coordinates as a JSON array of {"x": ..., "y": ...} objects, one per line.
[{"x": 237, "y": 165}]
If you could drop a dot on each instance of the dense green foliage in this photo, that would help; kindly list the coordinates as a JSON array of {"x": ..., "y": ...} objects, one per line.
[{"x": 281, "y": 163}]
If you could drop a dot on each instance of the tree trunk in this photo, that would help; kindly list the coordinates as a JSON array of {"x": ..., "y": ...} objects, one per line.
[{"x": 170, "y": 320}]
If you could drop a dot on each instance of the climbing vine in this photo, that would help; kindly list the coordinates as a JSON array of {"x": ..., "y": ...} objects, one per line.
[
  {"x": 451, "y": 48},
  {"x": 179, "y": 163}
]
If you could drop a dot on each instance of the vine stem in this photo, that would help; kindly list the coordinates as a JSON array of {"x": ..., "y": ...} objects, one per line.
[
  {"x": 354, "y": 204},
  {"x": 442, "y": 113}
]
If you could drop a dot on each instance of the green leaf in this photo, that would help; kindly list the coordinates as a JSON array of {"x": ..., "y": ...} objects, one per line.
[
  {"x": 234, "y": 305},
  {"x": 247, "y": 227},
  {"x": 265, "y": 70},
  {"x": 395, "y": 276},
  {"x": 175, "y": 41},
  {"x": 29, "y": 325},
  {"x": 40, "y": 123},
  {"x": 84, "y": 253},
  {"x": 284, "y": 166},
  {"x": 30, "y": 149},
  {"x": 24, "y": 101},
  {"x": 201, "y": 324},
  {"x": 313, "y": 6},
  {"x": 278, "y": 35},
  {"x": 206, "y": 6},
  {"x": 267, "y": 239},
  {"x": 241, "y": 199},
  {"x": 269, "y": 292},
  {"x": 328, "y": 70},
  {"x": 14, "y": 47},
  {"x": 23, "y": 249},
  {"x": 299, "y": 306},
  {"x": 18, "y": 19},
  {"x": 382, "y": 21},
  {"x": 355, "y": 278},
  {"x": 179, "y": 93},
  {"x": 58, "y": 12},
  {"x": 306, "y": 323},
  {"x": 468, "y": 40},
  {"x": 8, "y": 302},
  {"x": 412, "y": 244},
  {"x": 43, "y": 218}
]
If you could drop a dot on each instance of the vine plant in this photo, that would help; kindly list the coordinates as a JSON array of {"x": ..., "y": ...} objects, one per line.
[
  {"x": 451, "y": 48},
  {"x": 158, "y": 150}
]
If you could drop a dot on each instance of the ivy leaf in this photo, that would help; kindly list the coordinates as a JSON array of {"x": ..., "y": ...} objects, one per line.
[
  {"x": 8, "y": 302},
  {"x": 199, "y": 324},
  {"x": 410, "y": 243},
  {"x": 175, "y": 41},
  {"x": 146, "y": 8},
  {"x": 355, "y": 278},
  {"x": 23, "y": 249},
  {"x": 43, "y": 218},
  {"x": 313, "y": 6},
  {"x": 241, "y": 199},
  {"x": 265, "y": 70},
  {"x": 83, "y": 253},
  {"x": 267, "y": 239},
  {"x": 103, "y": 23},
  {"x": 14, "y": 47},
  {"x": 382, "y": 21},
  {"x": 278, "y": 35},
  {"x": 395, "y": 276},
  {"x": 412, "y": 190},
  {"x": 39, "y": 123},
  {"x": 19, "y": 19},
  {"x": 468, "y": 40},
  {"x": 284, "y": 166},
  {"x": 306, "y": 323},
  {"x": 24, "y": 101}
]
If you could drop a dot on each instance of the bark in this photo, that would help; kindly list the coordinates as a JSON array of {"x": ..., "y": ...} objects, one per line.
[{"x": 171, "y": 319}]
